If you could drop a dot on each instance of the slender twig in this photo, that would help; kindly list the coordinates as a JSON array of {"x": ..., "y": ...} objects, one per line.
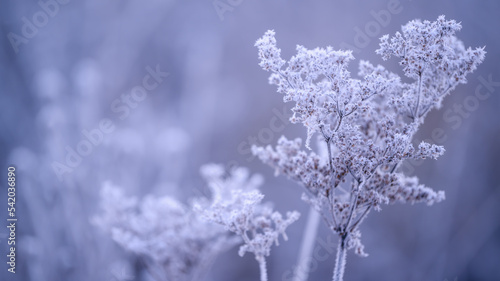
[
  {"x": 353, "y": 207},
  {"x": 327, "y": 221},
  {"x": 286, "y": 78},
  {"x": 353, "y": 175},
  {"x": 321, "y": 129},
  {"x": 360, "y": 218},
  {"x": 419, "y": 94},
  {"x": 332, "y": 209},
  {"x": 363, "y": 99},
  {"x": 327, "y": 140},
  {"x": 341, "y": 115},
  {"x": 353, "y": 203},
  {"x": 424, "y": 111},
  {"x": 354, "y": 109},
  {"x": 394, "y": 168},
  {"x": 447, "y": 89}
]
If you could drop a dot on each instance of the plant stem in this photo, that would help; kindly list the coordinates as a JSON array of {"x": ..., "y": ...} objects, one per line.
[
  {"x": 262, "y": 267},
  {"x": 417, "y": 108},
  {"x": 330, "y": 155},
  {"x": 338, "y": 271},
  {"x": 306, "y": 248}
]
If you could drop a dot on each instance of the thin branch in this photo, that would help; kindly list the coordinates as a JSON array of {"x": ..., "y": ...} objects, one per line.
[
  {"x": 426, "y": 109},
  {"x": 355, "y": 201},
  {"x": 327, "y": 140},
  {"x": 353, "y": 175},
  {"x": 447, "y": 89},
  {"x": 394, "y": 168},
  {"x": 340, "y": 121},
  {"x": 332, "y": 209},
  {"x": 354, "y": 109},
  {"x": 327, "y": 221},
  {"x": 286, "y": 78},
  {"x": 354, "y": 225},
  {"x": 339, "y": 187},
  {"x": 245, "y": 238},
  {"x": 374, "y": 93},
  {"x": 338, "y": 108},
  {"x": 353, "y": 207},
  {"x": 419, "y": 94},
  {"x": 451, "y": 85}
]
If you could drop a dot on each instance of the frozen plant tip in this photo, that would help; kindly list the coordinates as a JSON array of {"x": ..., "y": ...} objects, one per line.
[
  {"x": 236, "y": 204},
  {"x": 365, "y": 126}
]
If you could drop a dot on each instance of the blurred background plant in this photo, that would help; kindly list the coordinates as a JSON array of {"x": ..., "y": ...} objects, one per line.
[{"x": 170, "y": 239}]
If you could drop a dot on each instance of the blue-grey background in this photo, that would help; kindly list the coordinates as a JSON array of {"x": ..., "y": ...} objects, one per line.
[{"x": 65, "y": 77}]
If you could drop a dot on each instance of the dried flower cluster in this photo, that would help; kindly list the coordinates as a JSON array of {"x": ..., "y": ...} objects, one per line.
[
  {"x": 236, "y": 204},
  {"x": 364, "y": 129},
  {"x": 367, "y": 125},
  {"x": 179, "y": 242},
  {"x": 170, "y": 238}
]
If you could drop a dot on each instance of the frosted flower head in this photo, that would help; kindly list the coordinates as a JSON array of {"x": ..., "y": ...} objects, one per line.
[
  {"x": 431, "y": 54},
  {"x": 237, "y": 205},
  {"x": 269, "y": 54},
  {"x": 366, "y": 125}
]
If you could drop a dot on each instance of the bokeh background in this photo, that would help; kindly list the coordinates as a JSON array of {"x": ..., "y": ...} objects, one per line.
[{"x": 214, "y": 102}]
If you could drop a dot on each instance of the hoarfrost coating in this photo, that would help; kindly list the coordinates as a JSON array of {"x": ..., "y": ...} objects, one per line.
[
  {"x": 367, "y": 124},
  {"x": 236, "y": 204},
  {"x": 179, "y": 242},
  {"x": 169, "y": 238}
]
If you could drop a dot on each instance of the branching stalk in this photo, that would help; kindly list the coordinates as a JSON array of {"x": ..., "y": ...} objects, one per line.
[{"x": 417, "y": 108}]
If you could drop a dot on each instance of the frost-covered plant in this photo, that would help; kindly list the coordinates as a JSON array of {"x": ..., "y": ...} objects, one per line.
[
  {"x": 367, "y": 124},
  {"x": 170, "y": 238},
  {"x": 178, "y": 242},
  {"x": 236, "y": 204}
]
